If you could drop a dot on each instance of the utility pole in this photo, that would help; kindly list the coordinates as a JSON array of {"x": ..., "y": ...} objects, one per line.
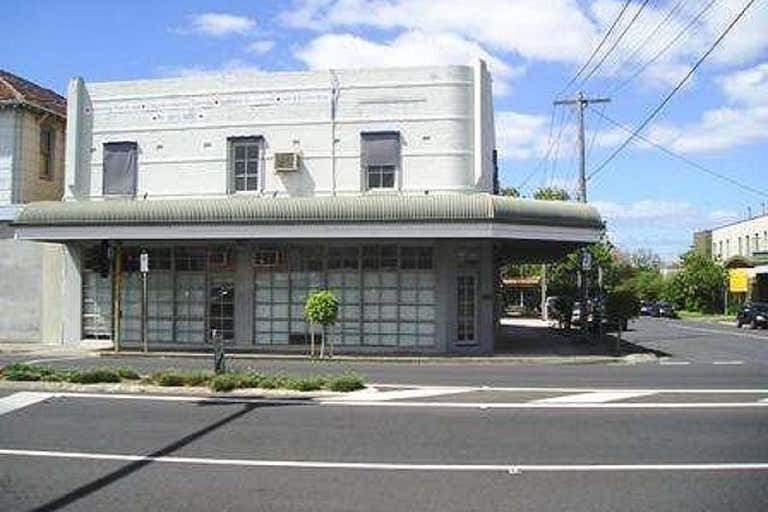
[{"x": 582, "y": 101}]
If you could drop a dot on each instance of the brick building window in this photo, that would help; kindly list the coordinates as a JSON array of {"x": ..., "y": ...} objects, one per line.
[{"x": 47, "y": 147}]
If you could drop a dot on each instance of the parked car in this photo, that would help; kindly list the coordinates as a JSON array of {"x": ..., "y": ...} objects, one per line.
[
  {"x": 754, "y": 315},
  {"x": 647, "y": 308},
  {"x": 665, "y": 310}
]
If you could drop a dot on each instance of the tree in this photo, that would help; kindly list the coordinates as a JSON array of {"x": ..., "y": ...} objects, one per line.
[
  {"x": 510, "y": 192},
  {"x": 322, "y": 307},
  {"x": 552, "y": 194},
  {"x": 698, "y": 286},
  {"x": 620, "y": 306}
]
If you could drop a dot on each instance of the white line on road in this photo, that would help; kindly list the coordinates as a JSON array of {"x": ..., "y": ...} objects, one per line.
[
  {"x": 372, "y": 394},
  {"x": 507, "y": 468},
  {"x": 718, "y": 331},
  {"x": 727, "y": 363},
  {"x": 386, "y": 403},
  {"x": 593, "y": 390},
  {"x": 664, "y": 362},
  {"x": 598, "y": 397},
  {"x": 22, "y": 399}
]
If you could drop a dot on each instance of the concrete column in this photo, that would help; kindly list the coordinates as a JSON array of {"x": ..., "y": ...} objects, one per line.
[
  {"x": 445, "y": 295},
  {"x": 71, "y": 294},
  {"x": 244, "y": 297},
  {"x": 486, "y": 327}
]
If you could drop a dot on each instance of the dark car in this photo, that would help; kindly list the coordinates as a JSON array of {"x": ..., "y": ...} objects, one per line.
[
  {"x": 647, "y": 308},
  {"x": 754, "y": 315},
  {"x": 665, "y": 310}
]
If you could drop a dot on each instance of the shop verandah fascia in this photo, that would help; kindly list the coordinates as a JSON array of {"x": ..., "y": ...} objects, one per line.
[{"x": 414, "y": 274}]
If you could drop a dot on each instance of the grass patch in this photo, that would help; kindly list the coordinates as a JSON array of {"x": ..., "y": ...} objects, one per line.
[
  {"x": 706, "y": 317},
  {"x": 174, "y": 378}
]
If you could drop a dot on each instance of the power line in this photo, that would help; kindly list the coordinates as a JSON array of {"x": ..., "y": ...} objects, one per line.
[
  {"x": 683, "y": 158},
  {"x": 596, "y": 50},
  {"x": 674, "y": 90},
  {"x": 666, "y": 47},
  {"x": 615, "y": 43},
  {"x": 652, "y": 33}
]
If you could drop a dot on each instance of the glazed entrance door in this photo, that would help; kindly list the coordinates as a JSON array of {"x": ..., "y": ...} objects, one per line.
[{"x": 221, "y": 308}]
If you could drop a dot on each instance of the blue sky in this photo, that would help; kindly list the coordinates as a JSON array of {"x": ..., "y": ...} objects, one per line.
[{"x": 534, "y": 47}]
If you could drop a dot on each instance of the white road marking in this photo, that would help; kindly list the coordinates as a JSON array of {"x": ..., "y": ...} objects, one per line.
[
  {"x": 663, "y": 362},
  {"x": 727, "y": 363},
  {"x": 717, "y": 331},
  {"x": 507, "y": 468},
  {"x": 459, "y": 405},
  {"x": 372, "y": 394},
  {"x": 22, "y": 399},
  {"x": 556, "y": 405},
  {"x": 593, "y": 390},
  {"x": 596, "y": 397}
]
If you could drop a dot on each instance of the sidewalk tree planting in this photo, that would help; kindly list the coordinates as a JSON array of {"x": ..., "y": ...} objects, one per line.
[
  {"x": 621, "y": 305},
  {"x": 321, "y": 308}
]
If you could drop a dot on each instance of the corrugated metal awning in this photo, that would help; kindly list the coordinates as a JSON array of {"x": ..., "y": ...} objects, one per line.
[{"x": 369, "y": 209}]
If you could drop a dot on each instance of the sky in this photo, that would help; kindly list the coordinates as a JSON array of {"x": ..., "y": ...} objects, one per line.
[{"x": 650, "y": 200}]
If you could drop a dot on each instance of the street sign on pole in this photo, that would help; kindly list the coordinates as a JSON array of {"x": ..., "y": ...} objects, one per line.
[{"x": 144, "y": 268}]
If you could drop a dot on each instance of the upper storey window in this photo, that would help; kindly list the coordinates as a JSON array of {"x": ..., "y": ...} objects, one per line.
[
  {"x": 380, "y": 159},
  {"x": 245, "y": 154},
  {"x": 47, "y": 140},
  {"x": 120, "y": 168}
]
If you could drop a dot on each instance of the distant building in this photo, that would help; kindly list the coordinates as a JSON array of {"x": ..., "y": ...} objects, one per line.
[
  {"x": 743, "y": 248},
  {"x": 32, "y": 137}
]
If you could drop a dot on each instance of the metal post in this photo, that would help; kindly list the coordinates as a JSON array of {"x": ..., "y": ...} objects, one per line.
[
  {"x": 582, "y": 154},
  {"x": 144, "y": 310},
  {"x": 544, "y": 312},
  {"x": 144, "y": 268},
  {"x": 116, "y": 298}
]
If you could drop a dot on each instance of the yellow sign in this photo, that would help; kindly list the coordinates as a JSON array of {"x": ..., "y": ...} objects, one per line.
[{"x": 738, "y": 280}]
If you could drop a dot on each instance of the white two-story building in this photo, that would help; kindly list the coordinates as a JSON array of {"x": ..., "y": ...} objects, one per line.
[{"x": 250, "y": 190}]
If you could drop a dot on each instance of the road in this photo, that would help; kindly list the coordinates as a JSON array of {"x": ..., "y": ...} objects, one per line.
[{"x": 654, "y": 436}]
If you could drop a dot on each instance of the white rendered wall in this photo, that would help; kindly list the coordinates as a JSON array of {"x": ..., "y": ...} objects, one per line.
[
  {"x": 727, "y": 237},
  {"x": 181, "y": 126}
]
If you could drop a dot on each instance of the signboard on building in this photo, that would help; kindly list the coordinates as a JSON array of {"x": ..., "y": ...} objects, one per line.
[{"x": 738, "y": 280}]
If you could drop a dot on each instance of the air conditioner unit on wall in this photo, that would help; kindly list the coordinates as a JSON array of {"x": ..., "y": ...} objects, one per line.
[{"x": 287, "y": 162}]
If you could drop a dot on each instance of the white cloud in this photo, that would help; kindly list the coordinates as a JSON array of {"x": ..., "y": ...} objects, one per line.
[
  {"x": 521, "y": 136},
  {"x": 664, "y": 226},
  {"x": 408, "y": 49},
  {"x": 743, "y": 120},
  {"x": 558, "y": 31},
  {"x": 261, "y": 47},
  {"x": 219, "y": 24}
]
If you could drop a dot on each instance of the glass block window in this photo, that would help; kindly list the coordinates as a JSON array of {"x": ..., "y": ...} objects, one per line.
[
  {"x": 97, "y": 305},
  {"x": 190, "y": 307},
  {"x": 271, "y": 307}
]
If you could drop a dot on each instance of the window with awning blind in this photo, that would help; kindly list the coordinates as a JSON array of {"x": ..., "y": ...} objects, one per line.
[
  {"x": 380, "y": 159},
  {"x": 120, "y": 168}
]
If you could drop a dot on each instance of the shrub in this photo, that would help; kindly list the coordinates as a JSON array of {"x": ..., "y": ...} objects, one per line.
[
  {"x": 169, "y": 379},
  {"x": 346, "y": 383},
  {"x": 226, "y": 382},
  {"x": 95, "y": 376},
  {"x": 128, "y": 374},
  {"x": 307, "y": 383}
]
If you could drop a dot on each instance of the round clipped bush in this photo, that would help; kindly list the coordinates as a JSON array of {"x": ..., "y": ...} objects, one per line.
[{"x": 322, "y": 308}]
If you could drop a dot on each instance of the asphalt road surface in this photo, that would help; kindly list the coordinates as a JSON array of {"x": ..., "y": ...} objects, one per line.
[
  {"x": 688, "y": 432},
  {"x": 70, "y": 453}
]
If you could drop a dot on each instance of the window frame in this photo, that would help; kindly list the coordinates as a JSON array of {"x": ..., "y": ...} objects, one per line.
[
  {"x": 135, "y": 183},
  {"x": 46, "y": 169},
  {"x": 234, "y": 143},
  {"x": 382, "y": 169}
]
